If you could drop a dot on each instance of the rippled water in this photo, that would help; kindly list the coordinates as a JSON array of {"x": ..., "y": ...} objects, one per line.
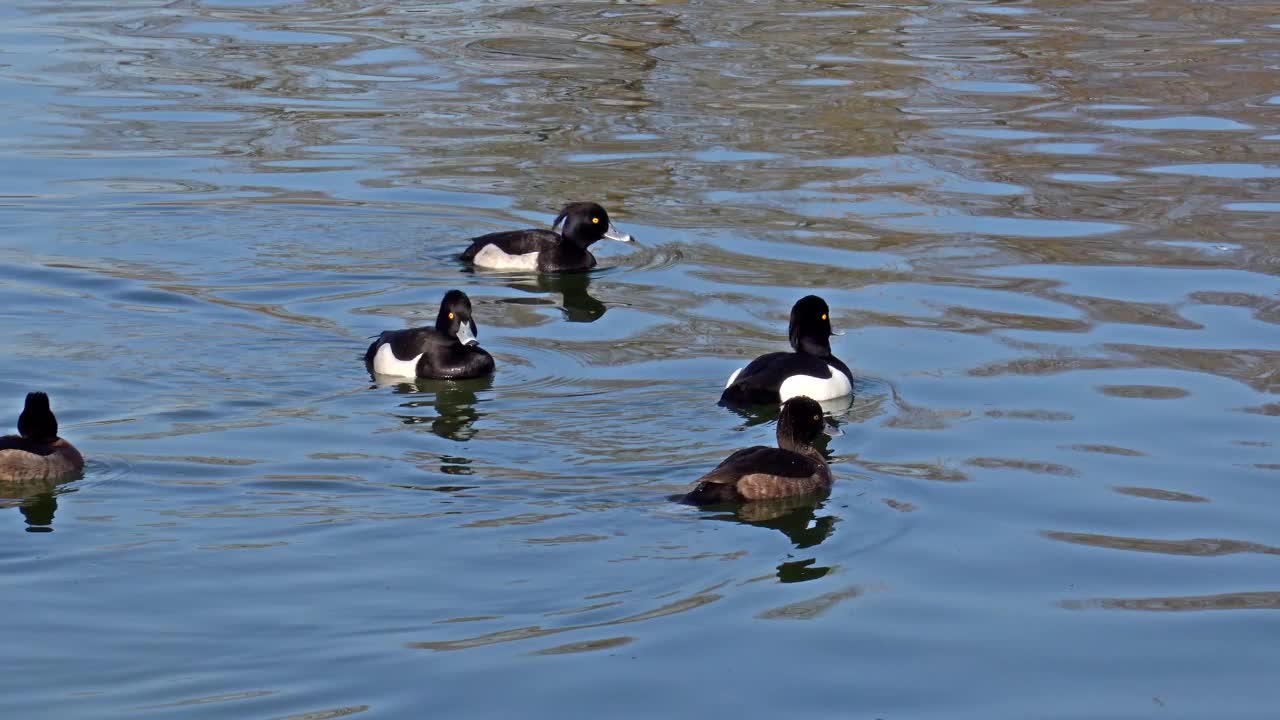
[{"x": 1050, "y": 229}]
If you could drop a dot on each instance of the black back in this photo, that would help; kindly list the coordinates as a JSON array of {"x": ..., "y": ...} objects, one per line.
[
  {"x": 763, "y": 459},
  {"x": 514, "y": 242}
]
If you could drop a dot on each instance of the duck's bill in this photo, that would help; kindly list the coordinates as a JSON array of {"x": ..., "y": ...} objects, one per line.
[
  {"x": 831, "y": 429},
  {"x": 614, "y": 233},
  {"x": 467, "y": 333},
  {"x": 837, "y": 333}
]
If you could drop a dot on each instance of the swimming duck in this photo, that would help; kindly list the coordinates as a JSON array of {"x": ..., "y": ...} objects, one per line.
[
  {"x": 448, "y": 351},
  {"x": 580, "y": 223},
  {"x": 36, "y": 452},
  {"x": 811, "y": 370},
  {"x": 795, "y": 467}
]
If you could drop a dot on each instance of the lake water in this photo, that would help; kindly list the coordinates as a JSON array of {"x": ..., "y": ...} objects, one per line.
[{"x": 1051, "y": 231}]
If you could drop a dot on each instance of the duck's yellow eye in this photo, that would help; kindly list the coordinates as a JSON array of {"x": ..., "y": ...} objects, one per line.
[
  {"x": 450, "y": 316},
  {"x": 595, "y": 221},
  {"x": 824, "y": 316}
]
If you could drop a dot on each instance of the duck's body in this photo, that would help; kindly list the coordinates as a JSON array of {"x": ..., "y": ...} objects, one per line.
[
  {"x": 426, "y": 353},
  {"x": 447, "y": 351},
  {"x": 778, "y": 376},
  {"x": 581, "y": 225},
  {"x": 811, "y": 370},
  {"x": 535, "y": 250},
  {"x": 22, "y": 461},
  {"x": 793, "y": 468},
  {"x": 36, "y": 452}
]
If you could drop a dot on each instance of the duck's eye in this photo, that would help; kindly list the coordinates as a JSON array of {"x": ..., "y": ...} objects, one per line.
[
  {"x": 824, "y": 316},
  {"x": 450, "y": 316},
  {"x": 595, "y": 221},
  {"x": 817, "y": 418}
]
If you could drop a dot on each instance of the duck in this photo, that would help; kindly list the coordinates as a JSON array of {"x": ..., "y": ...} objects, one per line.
[
  {"x": 580, "y": 224},
  {"x": 36, "y": 452},
  {"x": 448, "y": 351},
  {"x": 811, "y": 370},
  {"x": 760, "y": 473}
]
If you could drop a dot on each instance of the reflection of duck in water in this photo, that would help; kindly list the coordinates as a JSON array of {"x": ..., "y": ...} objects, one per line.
[
  {"x": 580, "y": 225},
  {"x": 579, "y": 305},
  {"x": 36, "y": 453},
  {"x": 753, "y": 415},
  {"x": 454, "y": 402},
  {"x": 759, "y": 473},
  {"x": 36, "y": 500},
  {"x": 811, "y": 370},
  {"x": 797, "y": 518}
]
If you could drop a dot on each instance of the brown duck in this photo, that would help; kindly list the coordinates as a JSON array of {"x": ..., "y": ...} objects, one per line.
[
  {"x": 793, "y": 468},
  {"x": 36, "y": 452}
]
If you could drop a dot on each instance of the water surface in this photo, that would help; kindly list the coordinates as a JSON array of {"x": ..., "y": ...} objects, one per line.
[{"x": 1049, "y": 229}]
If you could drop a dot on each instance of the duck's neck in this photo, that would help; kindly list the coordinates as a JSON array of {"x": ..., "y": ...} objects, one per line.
[
  {"x": 813, "y": 346},
  {"x": 788, "y": 440},
  {"x": 576, "y": 243}
]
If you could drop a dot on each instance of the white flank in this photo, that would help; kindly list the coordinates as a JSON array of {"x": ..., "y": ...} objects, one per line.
[
  {"x": 817, "y": 388},
  {"x": 492, "y": 256},
  {"x": 734, "y": 376},
  {"x": 385, "y": 363}
]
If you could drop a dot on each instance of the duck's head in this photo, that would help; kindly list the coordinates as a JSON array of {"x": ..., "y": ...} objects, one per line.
[
  {"x": 810, "y": 328},
  {"x": 37, "y": 422},
  {"x": 587, "y": 222},
  {"x": 800, "y": 423},
  {"x": 455, "y": 319}
]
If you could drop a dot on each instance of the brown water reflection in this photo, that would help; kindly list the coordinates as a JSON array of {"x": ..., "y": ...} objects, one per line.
[
  {"x": 1197, "y": 547},
  {"x": 685, "y": 604},
  {"x": 1227, "y": 601}
]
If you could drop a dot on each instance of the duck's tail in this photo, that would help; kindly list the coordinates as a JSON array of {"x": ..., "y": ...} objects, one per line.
[
  {"x": 711, "y": 493},
  {"x": 744, "y": 395}
]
